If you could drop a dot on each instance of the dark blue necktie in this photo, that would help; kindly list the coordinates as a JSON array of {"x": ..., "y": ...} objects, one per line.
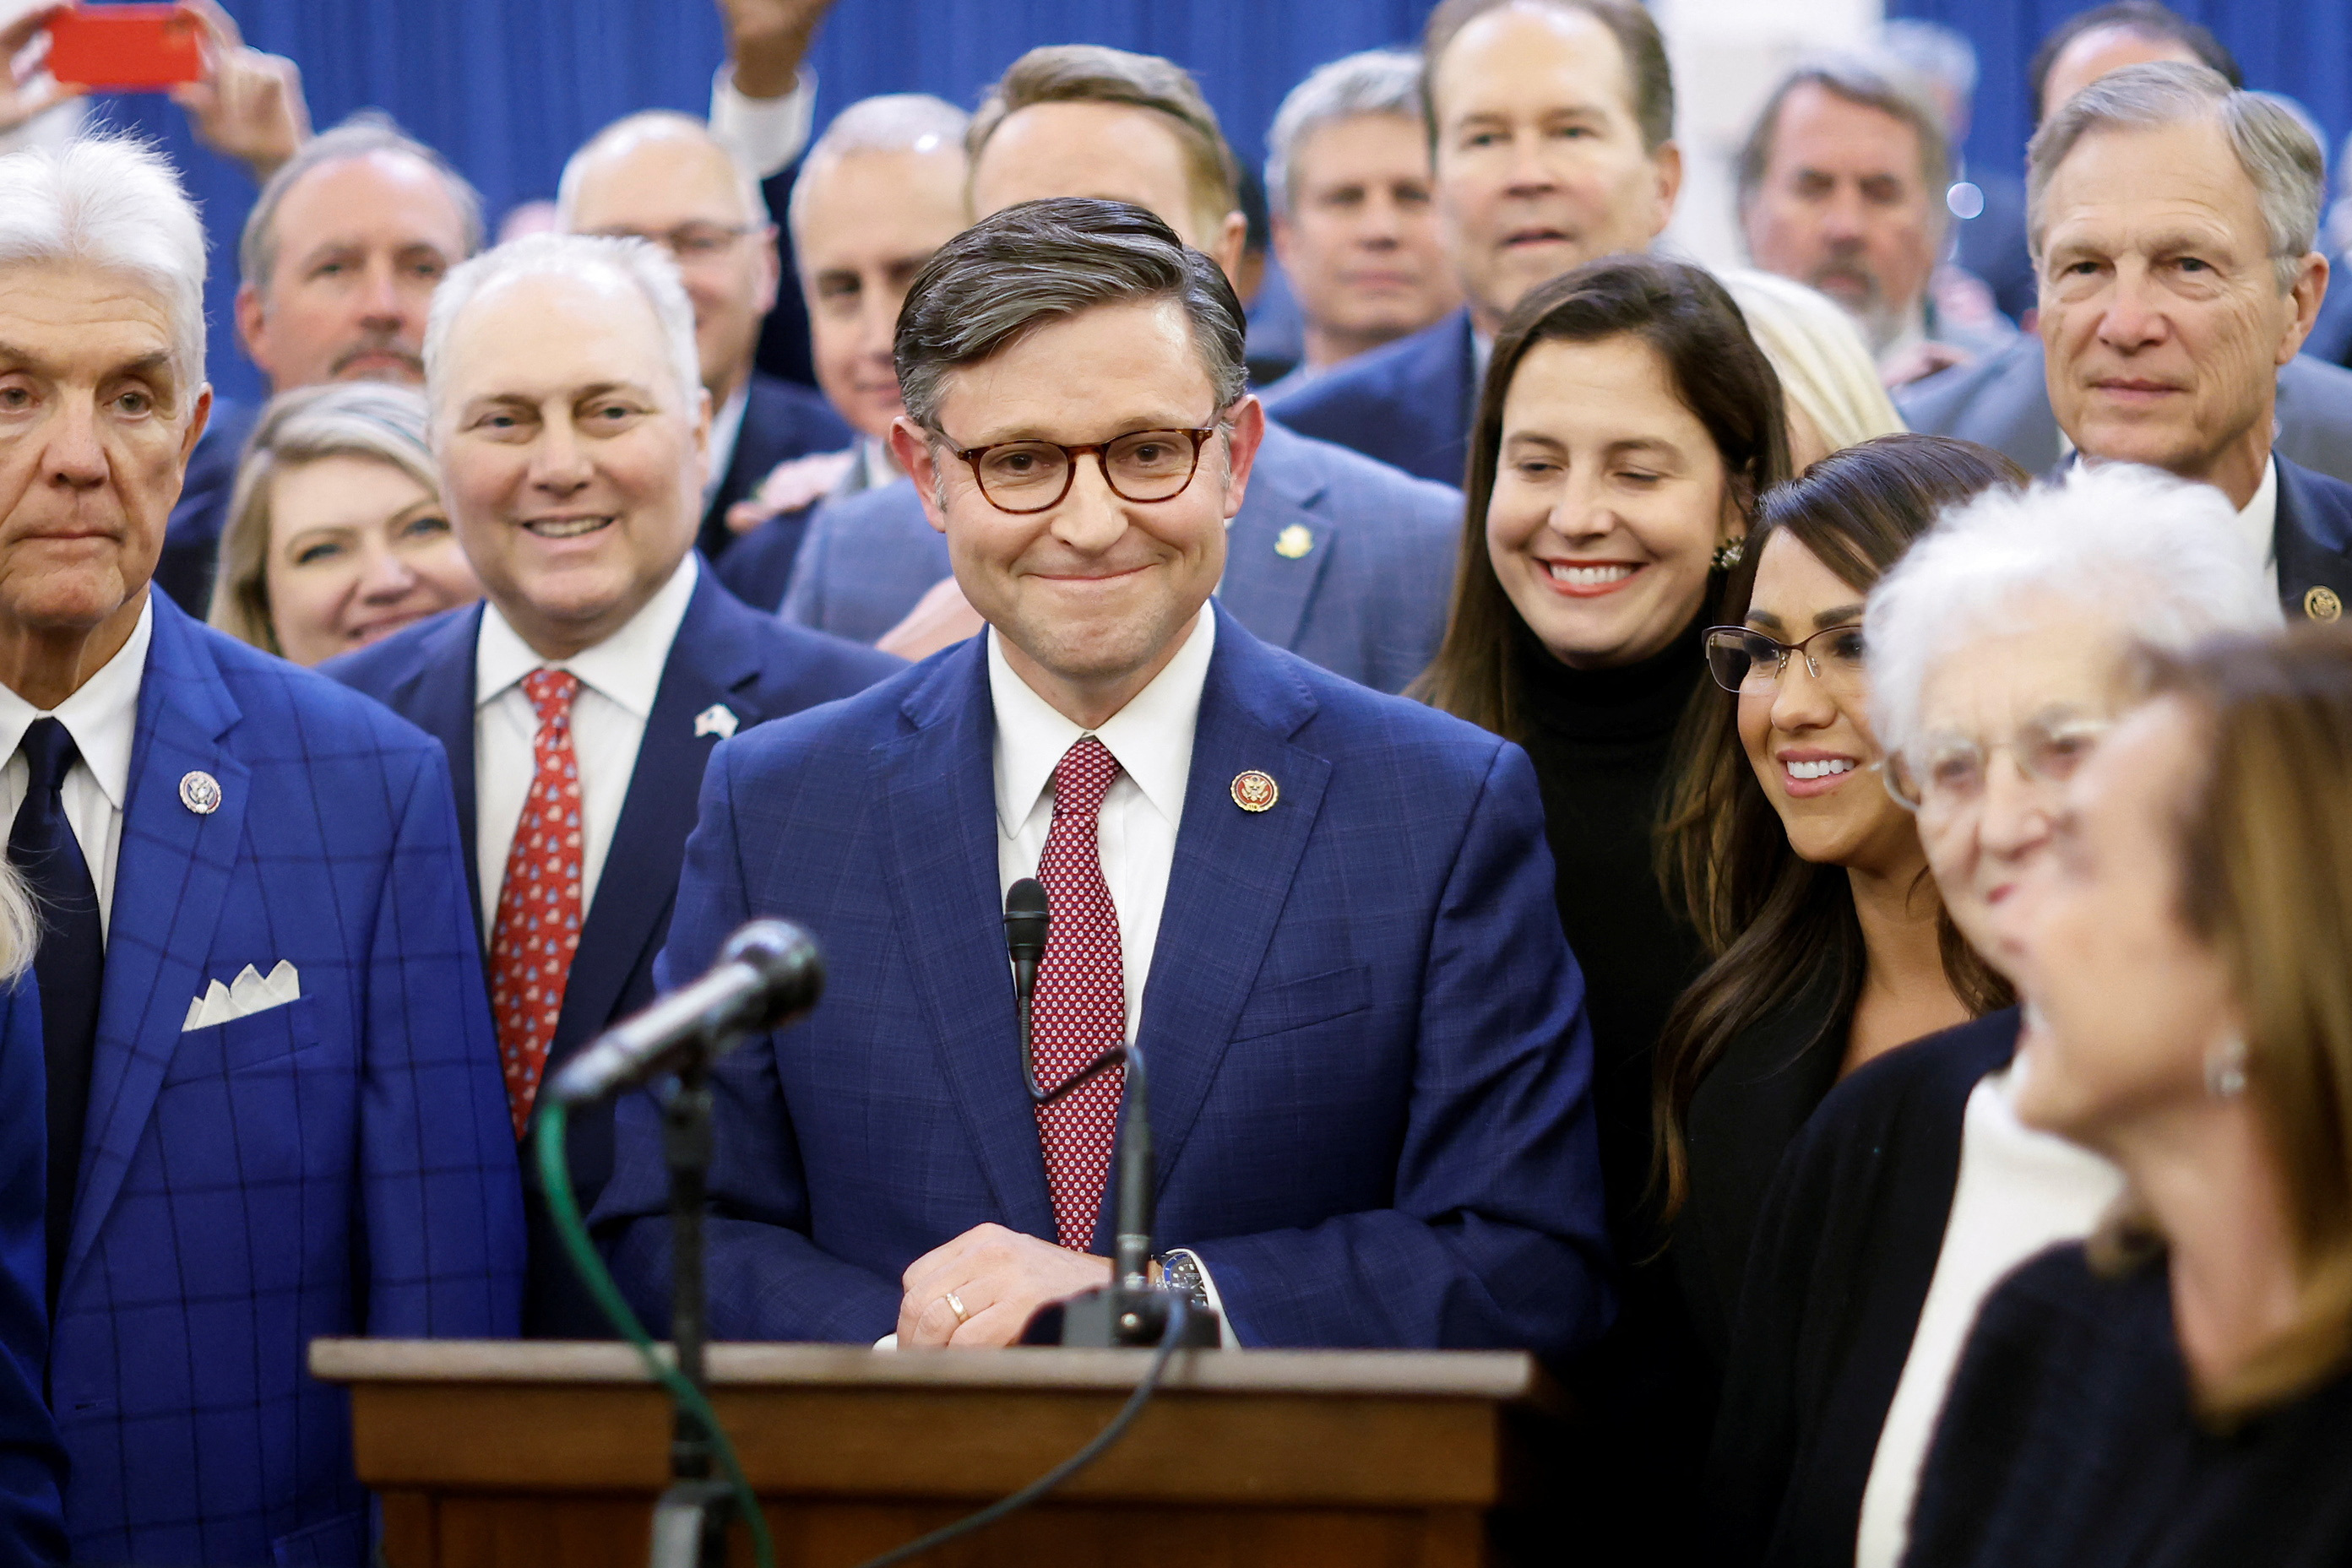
[{"x": 42, "y": 847}]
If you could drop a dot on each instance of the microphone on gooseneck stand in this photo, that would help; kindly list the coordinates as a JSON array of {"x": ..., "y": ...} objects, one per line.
[{"x": 1130, "y": 1310}]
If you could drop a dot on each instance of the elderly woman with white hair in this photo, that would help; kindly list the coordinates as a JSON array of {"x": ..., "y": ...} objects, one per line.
[{"x": 1998, "y": 653}]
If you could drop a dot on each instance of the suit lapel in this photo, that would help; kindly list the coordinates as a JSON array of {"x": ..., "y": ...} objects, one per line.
[
  {"x": 170, "y": 879},
  {"x": 1231, "y": 878},
  {"x": 440, "y": 701},
  {"x": 1276, "y": 548},
  {"x": 710, "y": 663},
  {"x": 936, "y": 793},
  {"x": 2315, "y": 574}
]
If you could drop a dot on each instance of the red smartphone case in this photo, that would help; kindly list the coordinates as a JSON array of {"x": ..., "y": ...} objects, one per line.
[{"x": 134, "y": 48}]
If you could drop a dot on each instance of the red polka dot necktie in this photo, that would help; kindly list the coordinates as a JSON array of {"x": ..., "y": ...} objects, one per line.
[
  {"x": 538, "y": 926},
  {"x": 1079, "y": 1009}
]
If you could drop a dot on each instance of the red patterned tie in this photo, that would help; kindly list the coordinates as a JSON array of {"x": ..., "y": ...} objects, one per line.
[
  {"x": 1081, "y": 1008},
  {"x": 538, "y": 926}
]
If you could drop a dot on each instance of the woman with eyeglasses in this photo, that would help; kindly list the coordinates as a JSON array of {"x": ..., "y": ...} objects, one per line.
[
  {"x": 1997, "y": 655},
  {"x": 1830, "y": 945},
  {"x": 1627, "y": 425}
]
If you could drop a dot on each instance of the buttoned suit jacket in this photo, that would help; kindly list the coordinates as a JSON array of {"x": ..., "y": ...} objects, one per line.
[
  {"x": 781, "y": 420},
  {"x": 1370, "y": 1066},
  {"x": 726, "y": 657},
  {"x": 341, "y": 1165},
  {"x": 1409, "y": 403},
  {"x": 1345, "y": 563},
  {"x": 2003, "y": 402}
]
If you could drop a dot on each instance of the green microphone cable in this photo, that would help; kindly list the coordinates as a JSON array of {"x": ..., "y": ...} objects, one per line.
[{"x": 563, "y": 1205}]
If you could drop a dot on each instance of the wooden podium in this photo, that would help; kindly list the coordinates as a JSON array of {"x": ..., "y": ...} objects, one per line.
[{"x": 504, "y": 1454}]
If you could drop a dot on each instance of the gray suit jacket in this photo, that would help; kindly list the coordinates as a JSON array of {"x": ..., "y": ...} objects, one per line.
[
  {"x": 2003, "y": 402},
  {"x": 1344, "y": 561}
]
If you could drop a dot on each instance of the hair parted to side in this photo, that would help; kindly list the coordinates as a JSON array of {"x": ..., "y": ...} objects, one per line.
[
  {"x": 369, "y": 131},
  {"x": 1650, "y": 82},
  {"x": 1825, "y": 368},
  {"x": 374, "y": 420},
  {"x": 2278, "y": 153},
  {"x": 1715, "y": 366},
  {"x": 1092, "y": 73},
  {"x": 1041, "y": 262},
  {"x": 1773, "y": 922},
  {"x": 2143, "y": 19},
  {"x": 632, "y": 131},
  {"x": 2128, "y": 554},
  {"x": 597, "y": 260},
  {"x": 2265, "y": 851},
  {"x": 1883, "y": 84},
  {"x": 890, "y": 123},
  {"x": 113, "y": 203},
  {"x": 1376, "y": 81}
]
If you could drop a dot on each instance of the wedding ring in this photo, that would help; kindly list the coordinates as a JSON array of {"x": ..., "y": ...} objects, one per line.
[{"x": 955, "y": 1305}]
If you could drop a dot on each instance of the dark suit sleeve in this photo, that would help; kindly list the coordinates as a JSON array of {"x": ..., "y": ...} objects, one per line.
[
  {"x": 1496, "y": 1236},
  {"x": 767, "y": 1280},
  {"x": 32, "y": 1460},
  {"x": 439, "y": 1188}
]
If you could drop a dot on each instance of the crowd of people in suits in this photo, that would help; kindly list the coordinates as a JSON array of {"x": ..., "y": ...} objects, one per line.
[{"x": 1776, "y": 836}]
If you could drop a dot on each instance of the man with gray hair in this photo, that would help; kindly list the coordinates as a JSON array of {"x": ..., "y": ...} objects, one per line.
[
  {"x": 1373, "y": 1104},
  {"x": 1335, "y": 557},
  {"x": 1841, "y": 187},
  {"x": 273, "y": 1108},
  {"x": 1355, "y": 224},
  {"x": 571, "y": 426},
  {"x": 880, "y": 192},
  {"x": 2173, "y": 221}
]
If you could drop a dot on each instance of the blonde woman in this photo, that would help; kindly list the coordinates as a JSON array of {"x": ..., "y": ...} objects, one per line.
[
  {"x": 1830, "y": 384},
  {"x": 336, "y": 535}
]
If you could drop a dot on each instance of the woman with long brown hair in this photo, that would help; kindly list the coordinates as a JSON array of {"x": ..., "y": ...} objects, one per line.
[{"x": 1806, "y": 882}]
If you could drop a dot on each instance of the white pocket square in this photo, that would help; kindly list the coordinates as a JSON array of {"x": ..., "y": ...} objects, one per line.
[{"x": 251, "y": 992}]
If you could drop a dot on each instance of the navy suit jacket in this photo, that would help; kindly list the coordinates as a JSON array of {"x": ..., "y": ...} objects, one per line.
[
  {"x": 781, "y": 421},
  {"x": 1345, "y": 563},
  {"x": 192, "y": 537},
  {"x": 726, "y": 655},
  {"x": 1409, "y": 402},
  {"x": 1370, "y": 1070},
  {"x": 2313, "y": 538},
  {"x": 32, "y": 1459},
  {"x": 338, "y": 1164},
  {"x": 2003, "y": 401}
]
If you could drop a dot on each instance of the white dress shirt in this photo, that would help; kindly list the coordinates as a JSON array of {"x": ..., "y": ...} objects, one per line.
[
  {"x": 102, "y": 716},
  {"x": 2019, "y": 1190},
  {"x": 2259, "y": 520},
  {"x": 1151, "y": 737},
  {"x": 618, "y": 678},
  {"x": 766, "y": 134}
]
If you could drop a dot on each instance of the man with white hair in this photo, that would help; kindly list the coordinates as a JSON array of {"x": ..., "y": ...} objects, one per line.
[
  {"x": 571, "y": 428},
  {"x": 1354, "y": 218},
  {"x": 881, "y": 190},
  {"x": 665, "y": 178},
  {"x": 273, "y": 1105}
]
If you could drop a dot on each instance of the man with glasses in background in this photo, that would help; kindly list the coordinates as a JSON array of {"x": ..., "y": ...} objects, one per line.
[{"x": 664, "y": 177}]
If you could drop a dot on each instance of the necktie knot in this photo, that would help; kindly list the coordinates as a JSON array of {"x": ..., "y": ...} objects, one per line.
[
  {"x": 550, "y": 693},
  {"x": 49, "y": 752},
  {"x": 1083, "y": 778}
]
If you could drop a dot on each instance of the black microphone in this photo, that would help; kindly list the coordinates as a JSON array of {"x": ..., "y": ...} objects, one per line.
[{"x": 769, "y": 974}]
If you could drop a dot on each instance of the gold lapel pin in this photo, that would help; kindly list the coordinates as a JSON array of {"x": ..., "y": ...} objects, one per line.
[
  {"x": 1294, "y": 541},
  {"x": 200, "y": 793},
  {"x": 2323, "y": 604},
  {"x": 1254, "y": 792}
]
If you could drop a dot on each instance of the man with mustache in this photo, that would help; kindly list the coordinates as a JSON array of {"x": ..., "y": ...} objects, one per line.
[
  {"x": 1551, "y": 122},
  {"x": 1840, "y": 187}
]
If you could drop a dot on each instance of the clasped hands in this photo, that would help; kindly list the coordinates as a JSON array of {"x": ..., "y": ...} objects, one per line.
[{"x": 1000, "y": 1276}]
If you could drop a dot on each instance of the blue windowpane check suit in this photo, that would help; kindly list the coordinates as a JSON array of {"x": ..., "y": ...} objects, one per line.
[
  {"x": 32, "y": 1460},
  {"x": 727, "y": 657},
  {"x": 338, "y": 1164},
  {"x": 1371, "y": 1069},
  {"x": 1345, "y": 563}
]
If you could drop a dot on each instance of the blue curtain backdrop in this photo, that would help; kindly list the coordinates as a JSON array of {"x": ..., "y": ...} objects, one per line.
[
  {"x": 508, "y": 88},
  {"x": 2299, "y": 48}
]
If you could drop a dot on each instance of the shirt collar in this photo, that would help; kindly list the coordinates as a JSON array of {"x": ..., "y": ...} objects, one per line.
[
  {"x": 726, "y": 429},
  {"x": 626, "y": 667},
  {"x": 2258, "y": 518},
  {"x": 1151, "y": 736},
  {"x": 102, "y": 714}
]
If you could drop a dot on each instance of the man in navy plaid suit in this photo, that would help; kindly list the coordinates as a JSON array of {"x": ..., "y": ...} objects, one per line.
[
  {"x": 1324, "y": 914},
  {"x": 273, "y": 1104}
]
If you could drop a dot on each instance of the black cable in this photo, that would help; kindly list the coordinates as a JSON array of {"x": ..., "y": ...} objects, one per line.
[{"x": 1171, "y": 1339}]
